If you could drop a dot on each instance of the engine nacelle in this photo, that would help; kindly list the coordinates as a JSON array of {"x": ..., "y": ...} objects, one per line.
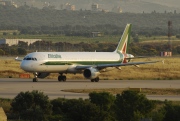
[
  {"x": 91, "y": 73},
  {"x": 42, "y": 75}
]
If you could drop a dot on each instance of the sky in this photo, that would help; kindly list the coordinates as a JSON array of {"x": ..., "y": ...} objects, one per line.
[{"x": 172, "y": 3}]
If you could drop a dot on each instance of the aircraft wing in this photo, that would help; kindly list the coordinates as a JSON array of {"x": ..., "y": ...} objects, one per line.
[
  {"x": 102, "y": 66},
  {"x": 136, "y": 57},
  {"x": 17, "y": 59}
]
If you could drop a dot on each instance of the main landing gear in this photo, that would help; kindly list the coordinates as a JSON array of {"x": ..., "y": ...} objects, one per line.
[
  {"x": 62, "y": 78},
  {"x": 95, "y": 80}
]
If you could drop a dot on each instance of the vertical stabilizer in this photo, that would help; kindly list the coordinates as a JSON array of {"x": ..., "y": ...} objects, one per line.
[{"x": 123, "y": 43}]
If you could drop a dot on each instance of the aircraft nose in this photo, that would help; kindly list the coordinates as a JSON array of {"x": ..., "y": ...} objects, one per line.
[{"x": 25, "y": 66}]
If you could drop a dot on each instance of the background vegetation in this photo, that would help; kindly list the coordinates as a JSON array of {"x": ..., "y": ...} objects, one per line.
[
  {"x": 103, "y": 106},
  {"x": 63, "y": 30},
  {"x": 31, "y": 20},
  {"x": 144, "y": 45}
]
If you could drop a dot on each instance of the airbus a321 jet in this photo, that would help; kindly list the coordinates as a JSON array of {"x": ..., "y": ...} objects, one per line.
[{"x": 90, "y": 64}]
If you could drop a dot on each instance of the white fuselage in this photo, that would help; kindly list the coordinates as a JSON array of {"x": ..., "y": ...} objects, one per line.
[{"x": 62, "y": 62}]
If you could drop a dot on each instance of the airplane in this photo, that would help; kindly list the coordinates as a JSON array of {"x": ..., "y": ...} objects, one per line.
[{"x": 90, "y": 64}]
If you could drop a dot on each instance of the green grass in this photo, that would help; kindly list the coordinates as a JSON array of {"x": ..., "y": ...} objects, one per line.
[
  {"x": 146, "y": 91},
  {"x": 107, "y": 39},
  {"x": 5, "y": 104},
  {"x": 62, "y": 38},
  {"x": 78, "y": 39}
]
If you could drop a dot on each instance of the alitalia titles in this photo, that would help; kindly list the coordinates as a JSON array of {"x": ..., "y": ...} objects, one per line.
[{"x": 54, "y": 56}]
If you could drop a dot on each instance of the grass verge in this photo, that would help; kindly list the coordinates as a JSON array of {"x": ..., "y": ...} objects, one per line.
[{"x": 146, "y": 91}]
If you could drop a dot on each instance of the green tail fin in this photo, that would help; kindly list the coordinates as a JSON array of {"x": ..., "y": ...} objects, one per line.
[{"x": 123, "y": 43}]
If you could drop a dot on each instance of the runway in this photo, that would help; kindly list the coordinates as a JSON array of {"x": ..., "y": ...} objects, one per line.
[{"x": 10, "y": 87}]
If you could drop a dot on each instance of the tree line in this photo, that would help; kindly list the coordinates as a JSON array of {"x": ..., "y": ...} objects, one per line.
[
  {"x": 134, "y": 48},
  {"x": 31, "y": 20},
  {"x": 102, "y": 106}
]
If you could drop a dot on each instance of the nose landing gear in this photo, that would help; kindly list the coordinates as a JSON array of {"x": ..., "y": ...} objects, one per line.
[{"x": 35, "y": 79}]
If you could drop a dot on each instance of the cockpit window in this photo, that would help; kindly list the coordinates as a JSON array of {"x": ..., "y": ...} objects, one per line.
[
  {"x": 34, "y": 59},
  {"x": 28, "y": 59}
]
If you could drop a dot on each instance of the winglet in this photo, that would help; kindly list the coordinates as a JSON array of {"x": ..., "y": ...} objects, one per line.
[
  {"x": 17, "y": 59},
  {"x": 124, "y": 41}
]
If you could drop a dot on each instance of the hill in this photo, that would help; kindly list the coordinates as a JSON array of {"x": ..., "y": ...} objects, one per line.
[
  {"x": 147, "y": 7},
  {"x": 47, "y": 19},
  {"x": 133, "y": 6}
]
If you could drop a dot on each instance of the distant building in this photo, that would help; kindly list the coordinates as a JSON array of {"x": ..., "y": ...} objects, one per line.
[
  {"x": 97, "y": 34},
  {"x": 3, "y": 2},
  {"x": 117, "y": 10},
  {"x": 95, "y": 7},
  {"x": 166, "y": 54},
  {"x": 70, "y": 7},
  {"x": 46, "y": 4},
  {"x": 98, "y": 7},
  {"x": 11, "y": 42}
]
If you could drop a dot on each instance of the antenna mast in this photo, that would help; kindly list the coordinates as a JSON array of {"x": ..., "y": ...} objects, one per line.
[{"x": 169, "y": 35}]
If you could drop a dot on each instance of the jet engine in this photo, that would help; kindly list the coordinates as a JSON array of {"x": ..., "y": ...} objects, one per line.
[
  {"x": 91, "y": 73},
  {"x": 42, "y": 75}
]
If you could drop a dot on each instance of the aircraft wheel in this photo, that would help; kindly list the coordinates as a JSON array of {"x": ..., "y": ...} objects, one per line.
[
  {"x": 96, "y": 79},
  {"x": 59, "y": 78},
  {"x": 63, "y": 78},
  {"x": 35, "y": 79},
  {"x": 92, "y": 80}
]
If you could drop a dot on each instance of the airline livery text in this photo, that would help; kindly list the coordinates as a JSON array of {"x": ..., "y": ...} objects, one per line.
[{"x": 54, "y": 56}]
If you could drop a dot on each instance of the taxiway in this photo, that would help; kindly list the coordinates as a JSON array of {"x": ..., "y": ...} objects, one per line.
[{"x": 10, "y": 87}]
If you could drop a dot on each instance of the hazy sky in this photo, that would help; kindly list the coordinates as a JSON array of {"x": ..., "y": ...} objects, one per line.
[{"x": 174, "y": 3}]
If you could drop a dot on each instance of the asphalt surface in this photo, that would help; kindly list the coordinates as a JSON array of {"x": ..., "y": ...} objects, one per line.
[{"x": 10, "y": 87}]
